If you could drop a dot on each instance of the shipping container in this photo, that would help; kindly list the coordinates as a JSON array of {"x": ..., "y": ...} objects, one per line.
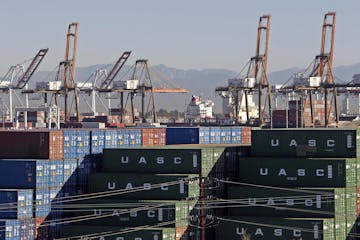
[
  {"x": 236, "y": 135},
  {"x": 111, "y": 138},
  {"x": 76, "y": 143},
  {"x": 42, "y": 202},
  {"x": 135, "y": 137},
  {"x": 56, "y": 173},
  {"x": 233, "y": 228},
  {"x": 144, "y": 186},
  {"x": 24, "y": 174},
  {"x": 215, "y": 137},
  {"x": 17, "y": 229},
  {"x": 182, "y": 135},
  {"x": 246, "y": 135},
  {"x": 69, "y": 172},
  {"x": 226, "y": 135},
  {"x": 97, "y": 141},
  {"x": 268, "y": 202},
  {"x": 295, "y": 172},
  {"x": 324, "y": 143},
  {"x": 154, "y": 136},
  {"x": 204, "y": 135},
  {"x": 33, "y": 144},
  {"x": 87, "y": 166},
  {"x": 114, "y": 212},
  {"x": 117, "y": 233},
  {"x": 152, "y": 160},
  {"x": 16, "y": 204}
]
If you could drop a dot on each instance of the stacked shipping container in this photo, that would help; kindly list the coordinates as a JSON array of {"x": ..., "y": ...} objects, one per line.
[{"x": 302, "y": 174}]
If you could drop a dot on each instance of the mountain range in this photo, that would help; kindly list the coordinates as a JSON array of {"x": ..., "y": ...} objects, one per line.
[{"x": 198, "y": 82}]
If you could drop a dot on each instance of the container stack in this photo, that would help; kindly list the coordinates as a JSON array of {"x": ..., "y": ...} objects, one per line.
[
  {"x": 297, "y": 184},
  {"x": 163, "y": 188}
]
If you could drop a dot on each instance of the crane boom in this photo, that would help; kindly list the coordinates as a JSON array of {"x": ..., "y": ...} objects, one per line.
[
  {"x": 24, "y": 79},
  {"x": 115, "y": 70}
]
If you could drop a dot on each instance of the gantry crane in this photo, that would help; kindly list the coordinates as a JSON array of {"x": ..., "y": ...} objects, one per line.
[
  {"x": 320, "y": 81},
  {"x": 101, "y": 81},
  {"x": 17, "y": 79},
  {"x": 255, "y": 81}
]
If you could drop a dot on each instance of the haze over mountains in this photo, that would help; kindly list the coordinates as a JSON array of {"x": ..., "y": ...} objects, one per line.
[{"x": 198, "y": 82}]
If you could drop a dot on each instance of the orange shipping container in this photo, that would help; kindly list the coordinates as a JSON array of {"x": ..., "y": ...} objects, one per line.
[
  {"x": 246, "y": 135},
  {"x": 153, "y": 136}
]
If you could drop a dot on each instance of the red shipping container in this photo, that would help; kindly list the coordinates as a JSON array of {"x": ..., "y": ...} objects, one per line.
[
  {"x": 32, "y": 144},
  {"x": 246, "y": 135}
]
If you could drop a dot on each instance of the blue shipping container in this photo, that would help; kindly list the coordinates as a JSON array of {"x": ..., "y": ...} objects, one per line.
[
  {"x": 69, "y": 172},
  {"x": 182, "y": 135},
  {"x": 17, "y": 229},
  {"x": 42, "y": 201},
  {"x": 16, "y": 204},
  {"x": 225, "y": 135},
  {"x": 76, "y": 143},
  {"x": 97, "y": 141},
  {"x": 204, "y": 135},
  {"x": 23, "y": 174},
  {"x": 135, "y": 137},
  {"x": 111, "y": 139},
  {"x": 215, "y": 135},
  {"x": 236, "y": 135},
  {"x": 42, "y": 174},
  {"x": 56, "y": 173}
]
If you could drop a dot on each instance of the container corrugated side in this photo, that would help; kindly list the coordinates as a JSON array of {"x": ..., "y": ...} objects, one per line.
[
  {"x": 111, "y": 138},
  {"x": 294, "y": 172},
  {"x": 215, "y": 135},
  {"x": 147, "y": 234},
  {"x": 153, "y": 136},
  {"x": 144, "y": 186},
  {"x": 231, "y": 227},
  {"x": 324, "y": 143},
  {"x": 204, "y": 135},
  {"x": 182, "y": 135},
  {"x": 165, "y": 161},
  {"x": 23, "y": 174},
  {"x": 291, "y": 203},
  {"x": 97, "y": 141},
  {"x": 69, "y": 172}
]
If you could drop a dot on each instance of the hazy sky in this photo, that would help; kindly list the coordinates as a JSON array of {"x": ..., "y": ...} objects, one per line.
[{"x": 190, "y": 34}]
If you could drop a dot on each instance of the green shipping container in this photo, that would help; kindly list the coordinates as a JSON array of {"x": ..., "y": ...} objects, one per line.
[
  {"x": 110, "y": 233},
  {"x": 145, "y": 186},
  {"x": 112, "y": 212},
  {"x": 324, "y": 143},
  {"x": 351, "y": 209},
  {"x": 171, "y": 160},
  {"x": 235, "y": 228},
  {"x": 290, "y": 203},
  {"x": 294, "y": 172}
]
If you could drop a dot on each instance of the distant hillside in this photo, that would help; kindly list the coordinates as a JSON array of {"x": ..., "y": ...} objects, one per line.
[{"x": 198, "y": 82}]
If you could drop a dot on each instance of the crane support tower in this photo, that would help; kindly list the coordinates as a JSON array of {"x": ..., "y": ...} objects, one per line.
[{"x": 68, "y": 74}]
